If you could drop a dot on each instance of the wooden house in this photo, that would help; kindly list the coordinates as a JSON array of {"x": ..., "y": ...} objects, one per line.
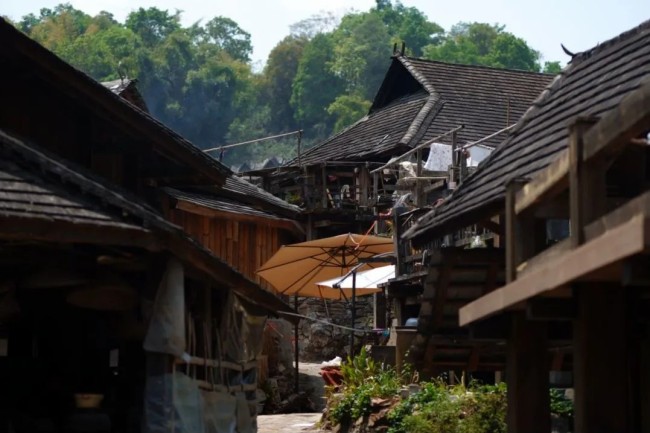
[
  {"x": 100, "y": 294},
  {"x": 419, "y": 103},
  {"x": 241, "y": 223},
  {"x": 579, "y": 158}
]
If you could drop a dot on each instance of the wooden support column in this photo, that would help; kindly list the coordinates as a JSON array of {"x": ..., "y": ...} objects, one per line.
[
  {"x": 587, "y": 189},
  {"x": 512, "y": 231},
  {"x": 323, "y": 187},
  {"x": 419, "y": 202},
  {"x": 379, "y": 304},
  {"x": 644, "y": 379},
  {"x": 600, "y": 367},
  {"x": 527, "y": 377}
]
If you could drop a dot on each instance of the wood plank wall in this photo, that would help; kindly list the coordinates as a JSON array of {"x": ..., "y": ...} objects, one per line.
[{"x": 243, "y": 245}]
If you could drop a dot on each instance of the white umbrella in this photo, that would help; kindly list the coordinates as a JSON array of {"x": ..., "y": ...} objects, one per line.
[{"x": 366, "y": 283}]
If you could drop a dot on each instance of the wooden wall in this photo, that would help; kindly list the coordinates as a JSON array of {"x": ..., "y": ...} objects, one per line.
[{"x": 243, "y": 245}]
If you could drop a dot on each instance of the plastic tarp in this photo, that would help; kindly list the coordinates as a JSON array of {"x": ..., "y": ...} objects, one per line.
[
  {"x": 166, "y": 332},
  {"x": 220, "y": 411},
  {"x": 242, "y": 330},
  {"x": 440, "y": 157},
  {"x": 173, "y": 404},
  {"x": 477, "y": 154}
]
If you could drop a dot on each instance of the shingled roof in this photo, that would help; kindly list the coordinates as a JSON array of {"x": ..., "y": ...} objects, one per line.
[
  {"x": 420, "y": 99},
  {"x": 39, "y": 188},
  {"x": 592, "y": 84}
]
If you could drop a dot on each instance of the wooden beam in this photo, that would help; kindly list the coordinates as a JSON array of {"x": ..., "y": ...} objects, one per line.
[
  {"x": 628, "y": 120},
  {"x": 546, "y": 184},
  {"x": 618, "y": 128},
  {"x": 613, "y": 246}
]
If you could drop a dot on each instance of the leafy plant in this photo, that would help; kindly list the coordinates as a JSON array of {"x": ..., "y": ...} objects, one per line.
[{"x": 560, "y": 404}]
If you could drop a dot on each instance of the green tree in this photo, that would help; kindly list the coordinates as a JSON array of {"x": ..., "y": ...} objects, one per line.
[
  {"x": 347, "y": 109},
  {"x": 225, "y": 34},
  {"x": 552, "y": 68},
  {"x": 153, "y": 25},
  {"x": 484, "y": 44},
  {"x": 362, "y": 53},
  {"x": 316, "y": 87},
  {"x": 409, "y": 25},
  {"x": 278, "y": 77}
]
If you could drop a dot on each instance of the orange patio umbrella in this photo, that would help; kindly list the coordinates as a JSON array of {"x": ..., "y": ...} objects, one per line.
[{"x": 297, "y": 268}]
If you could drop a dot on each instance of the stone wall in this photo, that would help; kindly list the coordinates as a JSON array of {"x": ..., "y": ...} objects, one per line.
[{"x": 321, "y": 342}]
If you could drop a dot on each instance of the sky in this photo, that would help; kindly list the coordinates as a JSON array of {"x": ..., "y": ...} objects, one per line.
[{"x": 544, "y": 24}]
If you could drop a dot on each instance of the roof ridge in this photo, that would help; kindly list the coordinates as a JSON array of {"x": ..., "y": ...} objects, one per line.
[
  {"x": 466, "y": 65},
  {"x": 419, "y": 119},
  {"x": 405, "y": 61},
  {"x": 584, "y": 55}
]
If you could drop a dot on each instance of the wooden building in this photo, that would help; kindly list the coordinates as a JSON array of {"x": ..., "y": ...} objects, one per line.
[
  {"x": 100, "y": 294},
  {"x": 419, "y": 102},
  {"x": 241, "y": 223},
  {"x": 578, "y": 158}
]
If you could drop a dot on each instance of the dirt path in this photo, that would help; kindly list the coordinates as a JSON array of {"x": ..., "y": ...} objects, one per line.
[
  {"x": 310, "y": 381},
  {"x": 289, "y": 423}
]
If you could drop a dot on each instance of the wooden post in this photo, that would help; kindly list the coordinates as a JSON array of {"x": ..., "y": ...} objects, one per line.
[
  {"x": 324, "y": 187},
  {"x": 644, "y": 380},
  {"x": 379, "y": 304},
  {"x": 512, "y": 230},
  {"x": 587, "y": 189},
  {"x": 527, "y": 377},
  {"x": 364, "y": 187},
  {"x": 418, "y": 183},
  {"x": 296, "y": 336},
  {"x": 600, "y": 361}
]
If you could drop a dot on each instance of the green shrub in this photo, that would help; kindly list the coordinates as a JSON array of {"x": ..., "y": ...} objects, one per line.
[
  {"x": 363, "y": 379},
  {"x": 560, "y": 405}
]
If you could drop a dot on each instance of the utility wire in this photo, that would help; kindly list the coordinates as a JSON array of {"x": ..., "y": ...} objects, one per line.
[
  {"x": 334, "y": 325},
  {"x": 228, "y": 146}
]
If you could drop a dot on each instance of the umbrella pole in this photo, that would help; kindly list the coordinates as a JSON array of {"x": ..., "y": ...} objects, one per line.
[
  {"x": 295, "y": 337},
  {"x": 354, "y": 311}
]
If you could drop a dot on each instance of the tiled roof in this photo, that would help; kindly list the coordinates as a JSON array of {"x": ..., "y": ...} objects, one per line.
[
  {"x": 38, "y": 186},
  {"x": 245, "y": 192},
  {"x": 375, "y": 135},
  {"x": 212, "y": 201},
  {"x": 482, "y": 99},
  {"x": 421, "y": 99},
  {"x": 592, "y": 84},
  {"x": 25, "y": 194}
]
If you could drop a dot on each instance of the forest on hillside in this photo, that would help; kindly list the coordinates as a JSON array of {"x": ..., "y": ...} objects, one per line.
[{"x": 321, "y": 77}]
